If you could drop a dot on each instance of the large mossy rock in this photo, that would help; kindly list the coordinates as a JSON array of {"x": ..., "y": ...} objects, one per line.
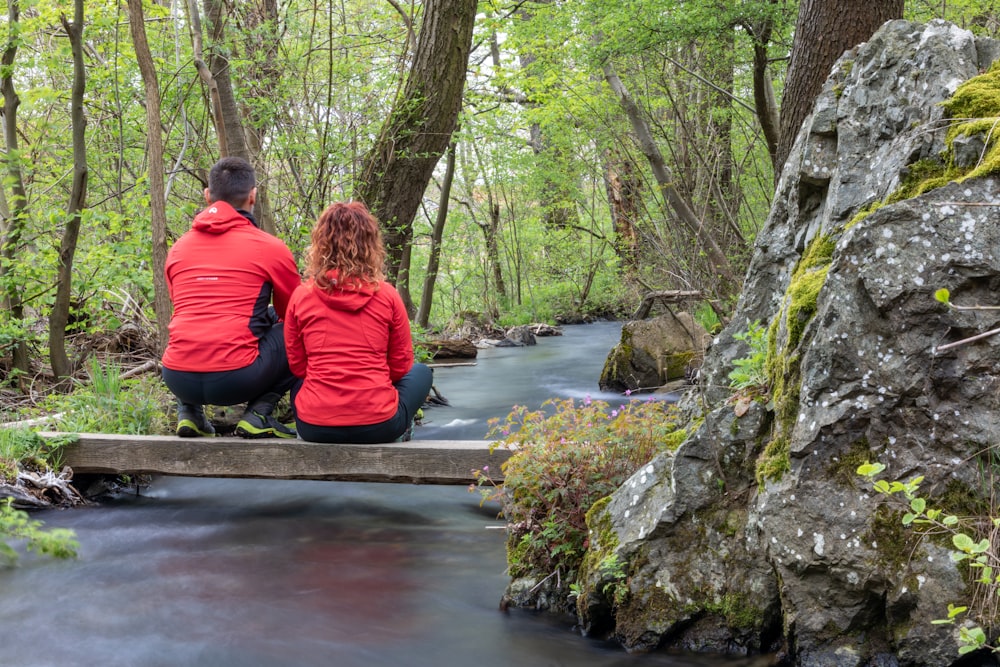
[
  {"x": 757, "y": 534},
  {"x": 653, "y": 352}
]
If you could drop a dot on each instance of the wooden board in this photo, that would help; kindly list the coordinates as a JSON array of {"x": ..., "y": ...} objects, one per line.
[{"x": 416, "y": 462}]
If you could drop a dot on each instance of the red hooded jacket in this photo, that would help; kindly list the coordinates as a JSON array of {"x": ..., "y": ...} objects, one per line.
[
  {"x": 350, "y": 344},
  {"x": 221, "y": 275}
]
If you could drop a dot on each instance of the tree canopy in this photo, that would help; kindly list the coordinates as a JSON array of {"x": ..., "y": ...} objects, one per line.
[{"x": 563, "y": 200}]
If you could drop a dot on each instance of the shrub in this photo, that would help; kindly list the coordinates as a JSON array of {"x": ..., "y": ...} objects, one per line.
[
  {"x": 750, "y": 373},
  {"x": 23, "y": 448},
  {"x": 16, "y": 525},
  {"x": 566, "y": 458}
]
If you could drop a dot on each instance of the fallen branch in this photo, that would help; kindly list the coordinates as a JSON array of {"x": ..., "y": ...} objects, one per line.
[{"x": 971, "y": 339}]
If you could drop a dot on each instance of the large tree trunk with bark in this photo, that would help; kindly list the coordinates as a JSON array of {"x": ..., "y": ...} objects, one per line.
[
  {"x": 157, "y": 188},
  {"x": 824, "y": 30},
  {"x": 419, "y": 128},
  {"x": 59, "y": 317}
]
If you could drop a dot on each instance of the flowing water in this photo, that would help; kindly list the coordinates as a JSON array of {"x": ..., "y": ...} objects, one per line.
[{"x": 259, "y": 573}]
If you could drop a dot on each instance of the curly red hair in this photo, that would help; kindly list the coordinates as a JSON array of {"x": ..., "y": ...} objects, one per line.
[{"x": 346, "y": 238}]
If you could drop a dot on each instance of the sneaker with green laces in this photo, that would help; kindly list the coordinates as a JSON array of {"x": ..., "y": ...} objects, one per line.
[
  {"x": 255, "y": 425},
  {"x": 192, "y": 422}
]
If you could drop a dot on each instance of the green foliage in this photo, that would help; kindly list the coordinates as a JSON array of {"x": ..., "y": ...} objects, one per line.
[
  {"x": 750, "y": 372},
  {"x": 16, "y": 525},
  {"x": 110, "y": 404},
  {"x": 706, "y": 316},
  {"x": 562, "y": 463},
  {"x": 971, "y": 545}
]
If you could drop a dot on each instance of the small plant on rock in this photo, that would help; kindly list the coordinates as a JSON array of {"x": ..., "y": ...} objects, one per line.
[
  {"x": 970, "y": 538},
  {"x": 564, "y": 461},
  {"x": 750, "y": 372}
]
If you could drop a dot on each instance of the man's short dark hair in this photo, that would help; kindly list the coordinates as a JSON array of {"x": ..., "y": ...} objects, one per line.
[{"x": 231, "y": 180}]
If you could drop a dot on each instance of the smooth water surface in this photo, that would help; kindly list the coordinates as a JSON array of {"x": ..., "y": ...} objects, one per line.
[{"x": 256, "y": 573}]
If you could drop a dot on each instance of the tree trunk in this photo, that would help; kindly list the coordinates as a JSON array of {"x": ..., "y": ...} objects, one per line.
[
  {"x": 665, "y": 180},
  {"x": 763, "y": 90},
  {"x": 418, "y": 130},
  {"x": 194, "y": 16},
  {"x": 157, "y": 189},
  {"x": 623, "y": 187},
  {"x": 236, "y": 142},
  {"x": 225, "y": 111},
  {"x": 59, "y": 317},
  {"x": 825, "y": 29},
  {"x": 13, "y": 227},
  {"x": 434, "y": 261}
]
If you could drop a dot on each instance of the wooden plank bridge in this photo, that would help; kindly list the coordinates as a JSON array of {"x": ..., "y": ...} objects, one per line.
[{"x": 414, "y": 462}]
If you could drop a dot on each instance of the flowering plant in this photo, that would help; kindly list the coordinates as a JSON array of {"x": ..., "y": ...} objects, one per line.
[{"x": 567, "y": 456}]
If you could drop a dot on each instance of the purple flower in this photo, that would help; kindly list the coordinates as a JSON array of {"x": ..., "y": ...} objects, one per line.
[
  {"x": 614, "y": 413},
  {"x": 586, "y": 400},
  {"x": 628, "y": 392},
  {"x": 486, "y": 468}
]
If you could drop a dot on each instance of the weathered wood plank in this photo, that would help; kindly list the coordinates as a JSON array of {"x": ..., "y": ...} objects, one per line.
[{"x": 416, "y": 462}]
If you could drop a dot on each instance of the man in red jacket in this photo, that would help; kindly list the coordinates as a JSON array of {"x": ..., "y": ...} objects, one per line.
[{"x": 226, "y": 340}]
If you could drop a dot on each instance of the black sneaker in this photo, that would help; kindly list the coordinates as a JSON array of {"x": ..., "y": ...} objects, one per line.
[
  {"x": 192, "y": 422},
  {"x": 255, "y": 425}
]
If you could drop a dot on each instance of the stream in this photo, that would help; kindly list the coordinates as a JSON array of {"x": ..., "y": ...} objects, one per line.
[{"x": 256, "y": 573}]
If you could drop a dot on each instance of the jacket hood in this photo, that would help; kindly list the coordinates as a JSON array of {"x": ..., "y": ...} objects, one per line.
[
  {"x": 350, "y": 297},
  {"x": 219, "y": 217}
]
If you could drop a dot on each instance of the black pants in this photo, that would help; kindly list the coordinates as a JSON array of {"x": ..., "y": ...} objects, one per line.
[
  {"x": 268, "y": 374},
  {"x": 413, "y": 389}
]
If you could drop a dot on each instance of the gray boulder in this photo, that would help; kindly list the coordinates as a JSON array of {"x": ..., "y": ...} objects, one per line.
[
  {"x": 653, "y": 352},
  {"x": 756, "y": 534}
]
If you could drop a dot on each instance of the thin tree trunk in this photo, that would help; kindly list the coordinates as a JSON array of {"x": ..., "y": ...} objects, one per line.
[
  {"x": 157, "y": 188},
  {"x": 763, "y": 90},
  {"x": 194, "y": 17},
  {"x": 13, "y": 226},
  {"x": 434, "y": 261},
  {"x": 665, "y": 180},
  {"x": 236, "y": 143},
  {"x": 59, "y": 317}
]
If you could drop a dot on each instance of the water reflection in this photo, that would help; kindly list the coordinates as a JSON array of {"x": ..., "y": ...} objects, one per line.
[{"x": 261, "y": 573}]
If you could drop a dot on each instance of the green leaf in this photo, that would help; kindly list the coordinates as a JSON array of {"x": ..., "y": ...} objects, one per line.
[
  {"x": 950, "y": 520},
  {"x": 870, "y": 469},
  {"x": 944, "y": 296},
  {"x": 963, "y": 542},
  {"x": 908, "y": 518},
  {"x": 918, "y": 505},
  {"x": 882, "y": 486}
]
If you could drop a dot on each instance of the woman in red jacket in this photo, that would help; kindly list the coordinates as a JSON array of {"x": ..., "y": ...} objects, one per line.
[{"x": 347, "y": 336}]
